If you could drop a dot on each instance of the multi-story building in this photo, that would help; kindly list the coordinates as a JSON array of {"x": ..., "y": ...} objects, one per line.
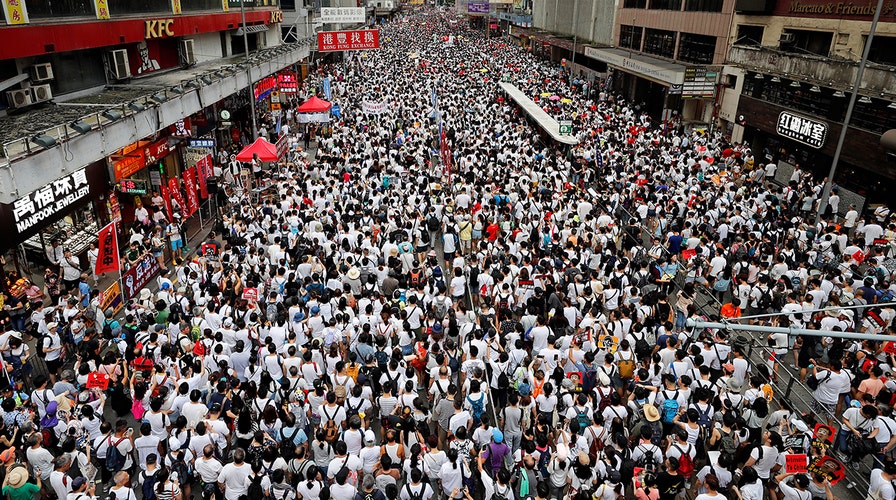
[
  {"x": 800, "y": 58},
  {"x": 667, "y": 54},
  {"x": 106, "y": 101}
]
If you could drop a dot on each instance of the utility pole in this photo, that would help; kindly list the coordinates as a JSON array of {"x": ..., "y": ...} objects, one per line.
[
  {"x": 249, "y": 70},
  {"x": 849, "y": 108}
]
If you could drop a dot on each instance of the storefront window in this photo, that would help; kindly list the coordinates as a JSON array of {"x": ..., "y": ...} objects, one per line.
[
  {"x": 630, "y": 37},
  {"x": 195, "y": 5},
  {"x": 665, "y": 4},
  {"x": 660, "y": 42},
  {"x": 38, "y": 9},
  {"x": 698, "y": 49},
  {"x": 635, "y": 4},
  {"x": 703, "y": 5}
]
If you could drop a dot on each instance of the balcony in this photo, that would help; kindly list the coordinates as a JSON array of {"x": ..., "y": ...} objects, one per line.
[{"x": 877, "y": 79}]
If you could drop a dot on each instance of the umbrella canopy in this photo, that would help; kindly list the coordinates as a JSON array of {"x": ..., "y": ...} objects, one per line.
[
  {"x": 545, "y": 94},
  {"x": 565, "y": 100},
  {"x": 264, "y": 149},
  {"x": 555, "y": 98},
  {"x": 313, "y": 105}
]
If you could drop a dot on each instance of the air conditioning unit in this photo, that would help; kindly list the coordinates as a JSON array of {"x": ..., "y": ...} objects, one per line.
[
  {"x": 787, "y": 38},
  {"x": 42, "y": 92},
  {"x": 187, "y": 55},
  {"x": 41, "y": 72},
  {"x": 19, "y": 98},
  {"x": 120, "y": 66}
]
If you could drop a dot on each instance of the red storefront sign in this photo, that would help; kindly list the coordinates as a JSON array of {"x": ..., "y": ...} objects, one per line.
[
  {"x": 156, "y": 150},
  {"x": 190, "y": 189},
  {"x": 328, "y": 41},
  {"x": 288, "y": 82},
  {"x": 131, "y": 163}
]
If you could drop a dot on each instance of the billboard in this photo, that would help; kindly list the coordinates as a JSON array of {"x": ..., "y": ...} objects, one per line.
[
  {"x": 329, "y": 41},
  {"x": 342, "y": 15}
]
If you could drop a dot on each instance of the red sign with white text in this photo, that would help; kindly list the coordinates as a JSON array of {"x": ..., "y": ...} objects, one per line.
[{"x": 328, "y": 41}]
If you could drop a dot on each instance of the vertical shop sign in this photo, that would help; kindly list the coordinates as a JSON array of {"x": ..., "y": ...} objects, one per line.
[{"x": 190, "y": 189}]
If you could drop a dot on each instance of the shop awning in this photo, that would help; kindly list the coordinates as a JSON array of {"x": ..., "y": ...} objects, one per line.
[
  {"x": 544, "y": 120},
  {"x": 650, "y": 68}
]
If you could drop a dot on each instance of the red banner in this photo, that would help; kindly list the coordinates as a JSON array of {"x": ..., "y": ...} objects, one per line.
[
  {"x": 190, "y": 189},
  {"x": 163, "y": 190},
  {"x": 139, "y": 275},
  {"x": 328, "y": 41},
  {"x": 107, "y": 261},
  {"x": 174, "y": 190},
  {"x": 204, "y": 169},
  {"x": 156, "y": 151},
  {"x": 796, "y": 463}
]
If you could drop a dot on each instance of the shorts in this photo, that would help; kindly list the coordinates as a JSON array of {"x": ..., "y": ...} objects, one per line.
[
  {"x": 177, "y": 244},
  {"x": 54, "y": 366},
  {"x": 823, "y": 409},
  {"x": 477, "y": 235},
  {"x": 449, "y": 256}
]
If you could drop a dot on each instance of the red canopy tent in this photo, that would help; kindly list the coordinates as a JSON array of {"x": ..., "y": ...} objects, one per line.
[
  {"x": 264, "y": 149},
  {"x": 314, "y": 105}
]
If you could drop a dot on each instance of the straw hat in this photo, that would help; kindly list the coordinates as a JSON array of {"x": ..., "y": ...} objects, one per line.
[
  {"x": 17, "y": 476},
  {"x": 651, "y": 413},
  {"x": 353, "y": 273}
]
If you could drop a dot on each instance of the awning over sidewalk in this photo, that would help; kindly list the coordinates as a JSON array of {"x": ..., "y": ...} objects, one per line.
[
  {"x": 544, "y": 120},
  {"x": 650, "y": 68}
]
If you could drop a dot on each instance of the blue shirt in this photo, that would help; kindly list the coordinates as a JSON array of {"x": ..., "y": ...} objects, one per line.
[{"x": 84, "y": 288}]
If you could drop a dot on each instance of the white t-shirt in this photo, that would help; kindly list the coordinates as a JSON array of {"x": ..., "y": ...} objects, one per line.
[
  {"x": 830, "y": 388},
  {"x": 883, "y": 487},
  {"x": 235, "y": 479}
]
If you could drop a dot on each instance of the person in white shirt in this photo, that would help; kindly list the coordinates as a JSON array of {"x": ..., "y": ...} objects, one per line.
[
  {"x": 881, "y": 482},
  {"x": 233, "y": 479},
  {"x": 764, "y": 457},
  {"x": 832, "y": 384}
]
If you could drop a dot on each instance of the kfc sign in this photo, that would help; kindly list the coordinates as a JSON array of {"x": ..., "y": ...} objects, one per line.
[{"x": 329, "y": 41}]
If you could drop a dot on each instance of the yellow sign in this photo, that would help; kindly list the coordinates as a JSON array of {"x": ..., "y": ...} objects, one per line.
[
  {"x": 175, "y": 7},
  {"x": 112, "y": 298},
  {"x": 15, "y": 12},
  {"x": 159, "y": 28},
  {"x": 276, "y": 16},
  {"x": 226, "y": 5},
  {"x": 102, "y": 9},
  {"x": 275, "y": 106}
]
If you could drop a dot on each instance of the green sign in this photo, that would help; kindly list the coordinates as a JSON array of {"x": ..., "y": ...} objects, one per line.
[{"x": 565, "y": 127}]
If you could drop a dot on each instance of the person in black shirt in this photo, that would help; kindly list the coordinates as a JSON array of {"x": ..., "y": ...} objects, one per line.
[{"x": 669, "y": 481}]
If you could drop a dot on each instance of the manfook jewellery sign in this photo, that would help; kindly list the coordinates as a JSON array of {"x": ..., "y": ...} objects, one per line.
[{"x": 30, "y": 210}]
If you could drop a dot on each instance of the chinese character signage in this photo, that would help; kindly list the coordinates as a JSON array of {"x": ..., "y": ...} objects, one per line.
[
  {"x": 477, "y": 8},
  {"x": 102, "y": 9},
  {"x": 139, "y": 275},
  {"x": 15, "y": 12},
  {"x": 190, "y": 190},
  {"x": 805, "y": 130},
  {"x": 265, "y": 87},
  {"x": 342, "y": 15},
  {"x": 202, "y": 143},
  {"x": 329, "y": 41},
  {"x": 288, "y": 82},
  {"x": 29, "y": 210},
  {"x": 107, "y": 260}
]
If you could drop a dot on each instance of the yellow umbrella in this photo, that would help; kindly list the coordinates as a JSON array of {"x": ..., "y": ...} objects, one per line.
[
  {"x": 483, "y": 70},
  {"x": 545, "y": 94},
  {"x": 566, "y": 100}
]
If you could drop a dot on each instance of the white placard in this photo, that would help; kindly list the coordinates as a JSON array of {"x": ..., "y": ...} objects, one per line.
[{"x": 342, "y": 15}]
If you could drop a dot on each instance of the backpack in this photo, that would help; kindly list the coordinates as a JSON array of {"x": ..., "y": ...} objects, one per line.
[
  {"x": 454, "y": 362},
  {"x": 813, "y": 382},
  {"x": 149, "y": 486},
  {"x": 626, "y": 367},
  {"x": 415, "y": 278},
  {"x": 583, "y": 419},
  {"x": 411, "y": 494},
  {"x": 331, "y": 430},
  {"x": 351, "y": 412},
  {"x": 597, "y": 444},
  {"x": 503, "y": 379},
  {"x": 158, "y": 388},
  {"x": 433, "y": 223},
  {"x": 642, "y": 348},
  {"x": 115, "y": 460},
  {"x": 703, "y": 419},
  {"x": 685, "y": 463},
  {"x": 648, "y": 461},
  {"x": 255, "y": 490},
  {"x": 478, "y": 407},
  {"x": 589, "y": 378},
  {"x": 440, "y": 307},
  {"x": 765, "y": 299},
  {"x": 670, "y": 408},
  {"x": 604, "y": 399}
]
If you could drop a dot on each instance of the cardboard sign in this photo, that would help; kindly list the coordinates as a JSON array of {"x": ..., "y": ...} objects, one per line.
[
  {"x": 250, "y": 294},
  {"x": 796, "y": 463},
  {"x": 97, "y": 380}
]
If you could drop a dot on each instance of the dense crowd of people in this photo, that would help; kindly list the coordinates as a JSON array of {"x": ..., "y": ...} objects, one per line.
[{"x": 369, "y": 325}]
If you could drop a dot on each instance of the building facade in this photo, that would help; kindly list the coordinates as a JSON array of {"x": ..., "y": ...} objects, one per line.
[
  {"x": 800, "y": 58},
  {"x": 104, "y": 102},
  {"x": 667, "y": 55}
]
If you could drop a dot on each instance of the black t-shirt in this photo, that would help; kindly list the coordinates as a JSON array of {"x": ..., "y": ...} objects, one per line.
[{"x": 669, "y": 485}]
